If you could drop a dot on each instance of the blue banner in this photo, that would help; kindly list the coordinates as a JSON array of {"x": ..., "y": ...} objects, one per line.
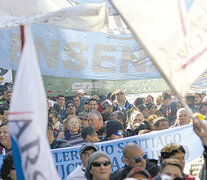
[
  {"x": 83, "y": 55},
  {"x": 68, "y": 159}
]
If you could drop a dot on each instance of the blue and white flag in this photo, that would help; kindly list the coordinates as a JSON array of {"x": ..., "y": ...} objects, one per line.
[{"x": 28, "y": 119}]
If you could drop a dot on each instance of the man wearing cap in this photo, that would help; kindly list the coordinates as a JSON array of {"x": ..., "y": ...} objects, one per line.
[
  {"x": 86, "y": 150},
  {"x": 134, "y": 157},
  {"x": 99, "y": 166},
  {"x": 83, "y": 116},
  {"x": 82, "y": 94}
]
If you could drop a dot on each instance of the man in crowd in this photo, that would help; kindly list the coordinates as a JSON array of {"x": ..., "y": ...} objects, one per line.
[
  {"x": 134, "y": 157},
  {"x": 160, "y": 123},
  {"x": 95, "y": 119},
  {"x": 93, "y": 104},
  {"x": 71, "y": 109},
  {"x": 76, "y": 100},
  {"x": 121, "y": 102},
  {"x": 5, "y": 142},
  {"x": 89, "y": 134},
  {"x": 3, "y": 114},
  {"x": 86, "y": 150},
  {"x": 61, "y": 102},
  {"x": 106, "y": 107},
  {"x": 183, "y": 117}
]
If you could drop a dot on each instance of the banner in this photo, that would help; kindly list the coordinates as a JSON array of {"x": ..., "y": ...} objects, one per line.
[
  {"x": 67, "y": 159},
  {"x": 174, "y": 39},
  {"x": 28, "y": 119}
]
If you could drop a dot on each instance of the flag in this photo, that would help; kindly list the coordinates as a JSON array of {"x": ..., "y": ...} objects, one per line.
[
  {"x": 174, "y": 38},
  {"x": 28, "y": 119}
]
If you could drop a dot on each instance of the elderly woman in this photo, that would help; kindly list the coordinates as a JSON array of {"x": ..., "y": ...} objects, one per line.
[
  {"x": 72, "y": 130},
  {"x": 99, "y": 166}
]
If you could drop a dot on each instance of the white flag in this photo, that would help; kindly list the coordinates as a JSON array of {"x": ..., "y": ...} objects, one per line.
[
  {"x": 175, "y": 41},
  {"x": 28, "y": 119}
]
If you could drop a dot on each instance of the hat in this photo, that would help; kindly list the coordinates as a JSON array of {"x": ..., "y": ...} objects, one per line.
[
  {"x": 204, "y": 100},
  {"x": 139, "y": 170},
  {"x": 87, "y": 146},
  {"x": 81, "y": 91},
  {"x": 112, "y": 126},
  {"x": 105, "y": 104},
  {"x": 83, "y": 115},
  {"x": 92, "y": 157}
]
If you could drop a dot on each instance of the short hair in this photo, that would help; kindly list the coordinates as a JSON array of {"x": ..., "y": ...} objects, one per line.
[
  {"x": 77, "y": 96},
  {"x": 60, "y": 95},
  {"x": 172, "y": 162},
  {"x": 2, "y": 109},
  {"x": 93, "y": 99},
  {"x": 96, "y": 113},
  {"x": 158, "y": 120},
  {"x": 69, "y": 102},
  {"x": 151, "y": 118},
  {"x": 199, "y": 94},
  {"x": 138, "y": 101},
  {"x": 166, "y": 96},
  {"x": 89, "y": 130},
  {"x": 135, "y": 113},
  {"x": 170, "y": 150}
]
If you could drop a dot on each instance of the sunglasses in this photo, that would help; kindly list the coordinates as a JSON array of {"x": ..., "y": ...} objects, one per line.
[
  {"x": 139, "y": 158},
  {"x": 119, "y": 94},
  {"x": 118, "y": 133},
  {"x": 69, "y": 106},
  {"x": 98, "y": 164}
]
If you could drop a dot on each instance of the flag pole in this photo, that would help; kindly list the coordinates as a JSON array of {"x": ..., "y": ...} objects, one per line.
[{"x": 22, "y": 37}]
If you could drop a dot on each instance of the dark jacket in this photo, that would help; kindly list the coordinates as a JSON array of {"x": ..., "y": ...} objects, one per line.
[
  {"x": 59, "y": 143},
  {"x": 121, "y": 173}
]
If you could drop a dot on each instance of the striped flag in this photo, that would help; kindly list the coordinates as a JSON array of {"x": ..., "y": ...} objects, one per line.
[{"x": 28, "y": 119}]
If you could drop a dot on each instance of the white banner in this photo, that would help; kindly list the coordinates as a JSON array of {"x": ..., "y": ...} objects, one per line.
[
  {"x": 28, "y": 119},
  {"x": 175, "y": 40}
]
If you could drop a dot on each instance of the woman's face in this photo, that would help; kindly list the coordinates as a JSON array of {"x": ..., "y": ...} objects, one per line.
[
  {"x": 73, "y": 125},
  {"x": 54, "y": 119}
]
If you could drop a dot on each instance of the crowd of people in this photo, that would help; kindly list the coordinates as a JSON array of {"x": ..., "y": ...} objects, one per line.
[{"x": 84, "y": 120}]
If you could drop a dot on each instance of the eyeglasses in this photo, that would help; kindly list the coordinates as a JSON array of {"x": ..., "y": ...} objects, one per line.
[
  {"x": 69, "y": 106},
  {"x": 139, "y": 158},
  {"x": 98, "y": 164},
  {"x": 119, "y": 93},
  {"x": 118, "y": 133}
]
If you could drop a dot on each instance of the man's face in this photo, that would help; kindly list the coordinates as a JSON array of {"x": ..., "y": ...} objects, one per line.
[
  {"x": 166, "y": 102},
  {"x": 94, "y": 121},
  {"x": 120, "y": 95},
  {"x": 8, "y": 96},
  {"x": 4, "y": 117},
  {"x": 101, "y": 171},
  {"x": 183, "y": 117},
  {"x": 71, "y": 109},
  {"x": 4, "y": 136},
  {"x": 93, "y": 105},
  {"x": 197, "y": 99},
  {"x": 85, "y": 155},
  {"x": 162, "y": 125},
  {"x": 134, "y": 153},
  {"x": 76, "y": 101},
  {"x": 172, "y": 171},
  {"x": 180, "y": 157},
  {"x": 204, "y": 109},
  {"x": 61, "y": 101},
  {"x": 137, "y": 119}
]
